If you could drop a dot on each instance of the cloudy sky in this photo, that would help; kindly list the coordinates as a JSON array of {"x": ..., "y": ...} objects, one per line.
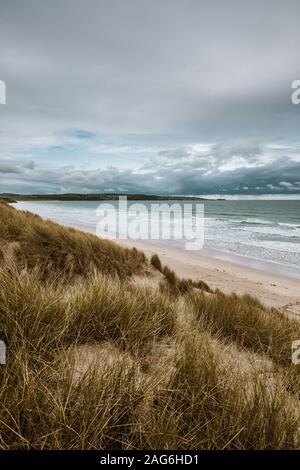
[{"x": 160, "y": 96}]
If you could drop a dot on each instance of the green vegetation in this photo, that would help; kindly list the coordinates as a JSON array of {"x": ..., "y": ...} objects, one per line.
[
  {"x": 98, "y": 361},
  {"x": 7, "y": 200},
  {"x": 96, "y": 197}
]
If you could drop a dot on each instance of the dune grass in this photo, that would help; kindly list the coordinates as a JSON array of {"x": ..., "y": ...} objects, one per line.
[
  {"x": 212, "y": 403},
  {"x": 245, "y": 320},
  {"x": 200, "y": 399},
  {"x": 61, "y": 250},
  {"x": 102, "y": 308},
  {"x": 195, "y": 370},
  {"x": 173, "y": 284},
  {"x": 156, "y": 263}
]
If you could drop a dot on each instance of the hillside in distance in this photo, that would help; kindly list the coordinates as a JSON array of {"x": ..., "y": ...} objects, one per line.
[{"x": 97, "y": 197}]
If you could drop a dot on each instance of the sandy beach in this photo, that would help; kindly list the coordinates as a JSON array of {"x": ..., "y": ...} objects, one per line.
[
  {"x": 274, "y": 290},
  {"x": 274, "y": 282}
]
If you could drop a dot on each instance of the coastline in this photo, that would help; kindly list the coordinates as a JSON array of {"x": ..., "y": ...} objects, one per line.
[
  {"x": 272, "y": 283},
  {"x": 94, "y": 317},
  {"x": 273, "y": 289}
]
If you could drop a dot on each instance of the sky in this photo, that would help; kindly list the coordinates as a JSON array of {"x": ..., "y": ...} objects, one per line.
[{"x": 160, "y": 96}]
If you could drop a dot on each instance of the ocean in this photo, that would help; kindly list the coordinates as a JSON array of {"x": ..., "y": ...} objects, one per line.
[{"x": 257, "y": 230}]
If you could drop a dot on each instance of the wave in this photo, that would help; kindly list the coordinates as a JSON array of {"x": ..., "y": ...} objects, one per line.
[
  {"x": 255, "y": 222},
  {"x": 263, "y": 222},
  {"x": 241, "y": 221},
  {"x": 292, "y": 226}
]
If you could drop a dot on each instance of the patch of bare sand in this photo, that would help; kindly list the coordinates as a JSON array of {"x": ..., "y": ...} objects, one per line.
[
  {"x": 84, "y": 357},
  {"x": 150, "y": 277}
]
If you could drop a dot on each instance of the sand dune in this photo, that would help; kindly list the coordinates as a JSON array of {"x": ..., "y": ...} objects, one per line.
[{"x": 272, "y": 289}]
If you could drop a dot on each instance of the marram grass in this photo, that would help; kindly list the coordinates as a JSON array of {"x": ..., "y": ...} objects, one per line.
[{"x": 95, "y": 362}]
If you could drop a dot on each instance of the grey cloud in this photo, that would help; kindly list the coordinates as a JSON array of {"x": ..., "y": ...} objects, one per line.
[
  {"x": 167, "y": 66},
  {"x": 180, "y": 72},
  {"x": 192, "y": 176},
  {"x": 17, "y": 166}
]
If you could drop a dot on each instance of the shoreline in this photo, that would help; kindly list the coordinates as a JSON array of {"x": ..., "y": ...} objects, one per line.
[
  {"x": 229, "y": 273},
  {"x": 273, "y": 289}
]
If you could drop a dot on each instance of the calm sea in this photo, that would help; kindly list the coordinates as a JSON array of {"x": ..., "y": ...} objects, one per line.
[{"x": 266, "y": 230}]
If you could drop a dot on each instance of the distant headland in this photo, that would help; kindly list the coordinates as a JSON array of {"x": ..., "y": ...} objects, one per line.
[{"x": 11, "y": 198}]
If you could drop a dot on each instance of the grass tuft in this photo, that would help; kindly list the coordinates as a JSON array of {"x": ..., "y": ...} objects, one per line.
[{"x": 156, "y": 263}]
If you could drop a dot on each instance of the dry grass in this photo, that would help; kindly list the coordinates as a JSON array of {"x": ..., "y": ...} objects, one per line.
[
  {"x": 173, "y": 284},
  {"x": 60, "y": 250},
  {"x": 156, "y": 263},
  {"x": 243, "y": 319},
  {"x": 94, "y": 362}
]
